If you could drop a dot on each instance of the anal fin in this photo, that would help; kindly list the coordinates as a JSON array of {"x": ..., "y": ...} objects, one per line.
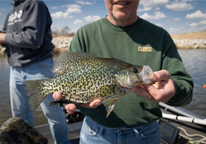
[{"x": 109, "y": 109}]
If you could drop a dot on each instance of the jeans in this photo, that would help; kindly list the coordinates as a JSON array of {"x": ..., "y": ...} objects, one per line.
[
  {"x": 19, "y": 99},
  {"x": 93, "y": 133}
]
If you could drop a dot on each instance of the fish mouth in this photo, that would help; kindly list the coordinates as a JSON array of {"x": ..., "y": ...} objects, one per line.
[{"x": 146, "y": 75}]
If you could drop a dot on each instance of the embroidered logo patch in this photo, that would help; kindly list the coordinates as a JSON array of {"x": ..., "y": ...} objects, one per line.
[{"x": 146, "y": 48}]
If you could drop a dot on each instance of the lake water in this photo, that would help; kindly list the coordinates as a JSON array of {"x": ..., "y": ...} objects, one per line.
[{"x": 194, "y": 61}]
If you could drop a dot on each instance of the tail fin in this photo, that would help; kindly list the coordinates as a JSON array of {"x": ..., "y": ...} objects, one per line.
[{"x": 35, "y": 92}]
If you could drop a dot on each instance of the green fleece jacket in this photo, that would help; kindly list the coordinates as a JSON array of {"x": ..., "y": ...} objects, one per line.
[{"x": 140, "y": 43}]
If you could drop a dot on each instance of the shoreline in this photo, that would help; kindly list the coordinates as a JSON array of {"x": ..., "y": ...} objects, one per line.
[{"x": 62, "y": 44}]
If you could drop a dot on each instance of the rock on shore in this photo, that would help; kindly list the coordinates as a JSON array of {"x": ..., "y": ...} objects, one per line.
[
  {"x": 62, "y": 42},
  {"x": 190, "y": 43}
]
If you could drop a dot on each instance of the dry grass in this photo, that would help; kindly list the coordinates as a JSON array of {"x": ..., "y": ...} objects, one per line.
[
  {"x": 63, "y": 37},
  {"x": 2, "y": 53},
  {"x": 195, "y": 35},
  {"x": 58, "y": 51}
]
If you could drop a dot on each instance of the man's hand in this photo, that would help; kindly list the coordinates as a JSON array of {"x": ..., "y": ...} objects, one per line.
[
  {"x": 72, "y": 107},
  {"x": 162, "y": 91},
  {"x": 2, "y": 38}
]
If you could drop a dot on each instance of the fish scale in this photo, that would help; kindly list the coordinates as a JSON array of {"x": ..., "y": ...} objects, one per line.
[{"x": 82, "y": 77}]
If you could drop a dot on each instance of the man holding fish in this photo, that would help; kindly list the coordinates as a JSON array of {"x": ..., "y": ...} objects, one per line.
[{"x": 122, "y": 34}]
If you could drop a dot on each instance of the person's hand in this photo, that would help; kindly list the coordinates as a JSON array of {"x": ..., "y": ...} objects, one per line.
[
  {"x": 162, "y": 91},
  {"x": 72, "y": 107},
  {"x": 2, "y": 38}
]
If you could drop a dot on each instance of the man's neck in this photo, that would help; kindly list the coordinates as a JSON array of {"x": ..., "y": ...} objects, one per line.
[{"x": 122, "y": 23}]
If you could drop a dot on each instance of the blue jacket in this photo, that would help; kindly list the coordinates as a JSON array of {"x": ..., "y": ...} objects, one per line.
[{"x": 28, "y": 28}]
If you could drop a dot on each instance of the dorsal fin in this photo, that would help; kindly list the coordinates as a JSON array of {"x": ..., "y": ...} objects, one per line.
[{"x": 69, "y": 59}]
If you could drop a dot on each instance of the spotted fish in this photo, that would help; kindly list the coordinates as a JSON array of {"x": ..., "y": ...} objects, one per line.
[{"x": 82, "y": 77}]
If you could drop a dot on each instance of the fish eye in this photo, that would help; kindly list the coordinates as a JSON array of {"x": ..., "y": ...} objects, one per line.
[{"x": 135, "y": 70}]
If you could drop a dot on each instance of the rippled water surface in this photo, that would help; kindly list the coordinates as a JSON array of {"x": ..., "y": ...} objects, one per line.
[
  {"x": 194, "y": 61},
  {"x": 195, "y": 64}
]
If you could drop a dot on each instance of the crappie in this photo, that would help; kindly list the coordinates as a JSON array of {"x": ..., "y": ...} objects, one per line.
[{"x": 83, "y": 77}]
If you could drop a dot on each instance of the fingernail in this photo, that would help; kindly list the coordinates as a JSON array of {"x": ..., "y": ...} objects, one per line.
[
  {"x": 55, "y": 97},
  {"x": 68, "y": 108}
]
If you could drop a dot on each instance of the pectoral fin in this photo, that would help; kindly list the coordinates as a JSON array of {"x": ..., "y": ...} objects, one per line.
[{"x": 109, "y": 106}]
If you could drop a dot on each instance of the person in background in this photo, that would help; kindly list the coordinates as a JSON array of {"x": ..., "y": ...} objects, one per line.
[
  {"x": 122, "y": 34},
  {"x": 27, "y": 37}
]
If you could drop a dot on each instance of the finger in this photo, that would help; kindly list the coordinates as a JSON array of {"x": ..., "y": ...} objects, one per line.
[
  {"x": 95, "y": 103},
  {"x": 57, "y": 96},
  {"x": 143, "y": 92},
  {"x": 161, "y": 75},
  {"x": 151, "y": 98},
  {"x": 153, "y": 91},
  {"x": 70, "y": 107},
  {"x": 157, "y": 85},
  {"x": 162, "y": 94},
  {"x": 138, "y": 90}
]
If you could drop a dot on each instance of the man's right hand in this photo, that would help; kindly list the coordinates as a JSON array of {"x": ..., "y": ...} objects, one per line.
[{"x": 72, "y": 107}]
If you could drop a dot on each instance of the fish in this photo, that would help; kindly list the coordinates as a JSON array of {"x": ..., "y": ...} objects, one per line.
[{"x": 83, "y": 77}]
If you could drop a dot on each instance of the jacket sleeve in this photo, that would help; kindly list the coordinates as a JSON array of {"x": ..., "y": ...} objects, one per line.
[
  {"x": 33, "y": 25},
  {"x": 183, "y": 82}
]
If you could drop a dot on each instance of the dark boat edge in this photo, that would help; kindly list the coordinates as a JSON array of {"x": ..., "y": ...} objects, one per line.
[{"x": 174, "y": 130}]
